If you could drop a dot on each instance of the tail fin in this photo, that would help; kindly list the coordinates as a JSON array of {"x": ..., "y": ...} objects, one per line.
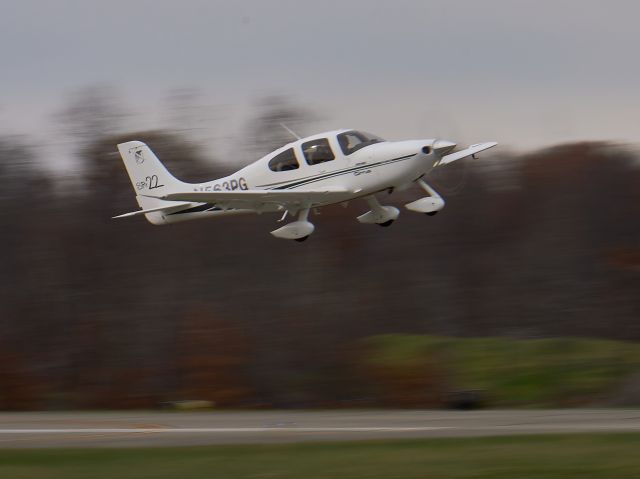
[
  {"x": 146, "y": 172},
  {"x": 149, "y": 176}
]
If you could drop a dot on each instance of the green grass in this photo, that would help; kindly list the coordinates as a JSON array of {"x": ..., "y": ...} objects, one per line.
[
  {"x": 541, "y": 373},
  {"x": 557, "y": 456}
]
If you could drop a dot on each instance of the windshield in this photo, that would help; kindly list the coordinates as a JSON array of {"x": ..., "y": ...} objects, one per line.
[{"x": 352, "y": 141}]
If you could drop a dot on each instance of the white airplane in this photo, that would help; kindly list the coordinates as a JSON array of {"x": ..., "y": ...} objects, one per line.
[{"x": 320, "y": 170}]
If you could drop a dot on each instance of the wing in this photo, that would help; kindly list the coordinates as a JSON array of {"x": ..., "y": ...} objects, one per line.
[
  {"x": 255, "y": 199},
  {"x": 472, "y": 150}
]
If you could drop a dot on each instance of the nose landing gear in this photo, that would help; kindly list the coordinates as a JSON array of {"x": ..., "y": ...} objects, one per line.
[{"x": 429, "y": 205}]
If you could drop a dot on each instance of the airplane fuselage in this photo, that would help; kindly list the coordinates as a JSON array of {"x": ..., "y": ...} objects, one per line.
[{"x": 386, "y": 165}]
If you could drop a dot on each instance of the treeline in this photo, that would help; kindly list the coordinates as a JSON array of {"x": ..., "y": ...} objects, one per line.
[{"x": 98, "y": 313}]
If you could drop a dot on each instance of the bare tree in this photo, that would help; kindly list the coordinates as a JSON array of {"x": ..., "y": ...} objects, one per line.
[
  {"x": 265, "y": 130},
  {"x": 90, "y": 113}
]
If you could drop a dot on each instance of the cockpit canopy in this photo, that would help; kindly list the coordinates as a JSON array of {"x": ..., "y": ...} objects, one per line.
[
  {"x": 320, "y": 150},
  {"x": 352, "y": 141}
]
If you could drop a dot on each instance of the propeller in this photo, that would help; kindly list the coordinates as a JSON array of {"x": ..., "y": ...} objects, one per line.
[{"x": 450, "y": 179}]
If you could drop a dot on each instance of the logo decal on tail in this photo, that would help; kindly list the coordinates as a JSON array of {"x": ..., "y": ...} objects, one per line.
[{"x": 138, "y": 155}]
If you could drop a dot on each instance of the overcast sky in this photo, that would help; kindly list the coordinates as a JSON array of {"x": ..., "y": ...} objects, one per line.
[{"x": 524, "y": 73}]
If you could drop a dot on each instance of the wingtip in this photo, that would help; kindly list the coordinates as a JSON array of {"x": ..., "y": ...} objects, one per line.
[{"x": 485, "y": 144}]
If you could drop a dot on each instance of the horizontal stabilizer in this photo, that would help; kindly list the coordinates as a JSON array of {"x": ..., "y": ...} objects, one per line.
[
  {"x": 472, "y": 150},
  {"x": 166, "y": 208}
]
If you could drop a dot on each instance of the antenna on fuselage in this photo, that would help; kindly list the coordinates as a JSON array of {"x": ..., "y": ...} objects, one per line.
[{"x": 293, "y": 133}]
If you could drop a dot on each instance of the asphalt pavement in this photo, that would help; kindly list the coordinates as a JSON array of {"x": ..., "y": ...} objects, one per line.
[{"x": 137, "y": 429}]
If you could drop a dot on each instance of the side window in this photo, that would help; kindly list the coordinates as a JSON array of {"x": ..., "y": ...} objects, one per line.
[
  {"x": 284, "y": 161},
  {"x": 317, "y": 151}
]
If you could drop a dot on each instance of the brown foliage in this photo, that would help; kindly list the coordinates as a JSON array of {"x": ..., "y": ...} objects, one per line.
[
  {"x": 416, "y": 385},
  {"x": 20, "y": 389},
  {"x": 625, "y": 259},
  {"x": 212, "y": 356}
]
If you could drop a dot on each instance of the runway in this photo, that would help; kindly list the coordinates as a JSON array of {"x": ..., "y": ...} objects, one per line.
[{"x": 137, "y": 429}]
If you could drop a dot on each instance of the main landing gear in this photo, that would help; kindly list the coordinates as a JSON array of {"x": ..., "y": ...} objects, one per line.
[
  {"x": 378, "y": 214},
  {"x": 298, "y": 230}
]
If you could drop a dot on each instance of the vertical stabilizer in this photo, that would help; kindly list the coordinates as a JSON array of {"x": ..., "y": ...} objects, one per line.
[{"x": 149, "y": 177}]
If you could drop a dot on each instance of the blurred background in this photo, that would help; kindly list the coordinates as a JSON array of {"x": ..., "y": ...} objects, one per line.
[{"x": 523, "y": 291}]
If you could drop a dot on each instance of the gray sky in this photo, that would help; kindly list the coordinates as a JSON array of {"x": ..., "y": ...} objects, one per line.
[{"x": 525, "y": 73}]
